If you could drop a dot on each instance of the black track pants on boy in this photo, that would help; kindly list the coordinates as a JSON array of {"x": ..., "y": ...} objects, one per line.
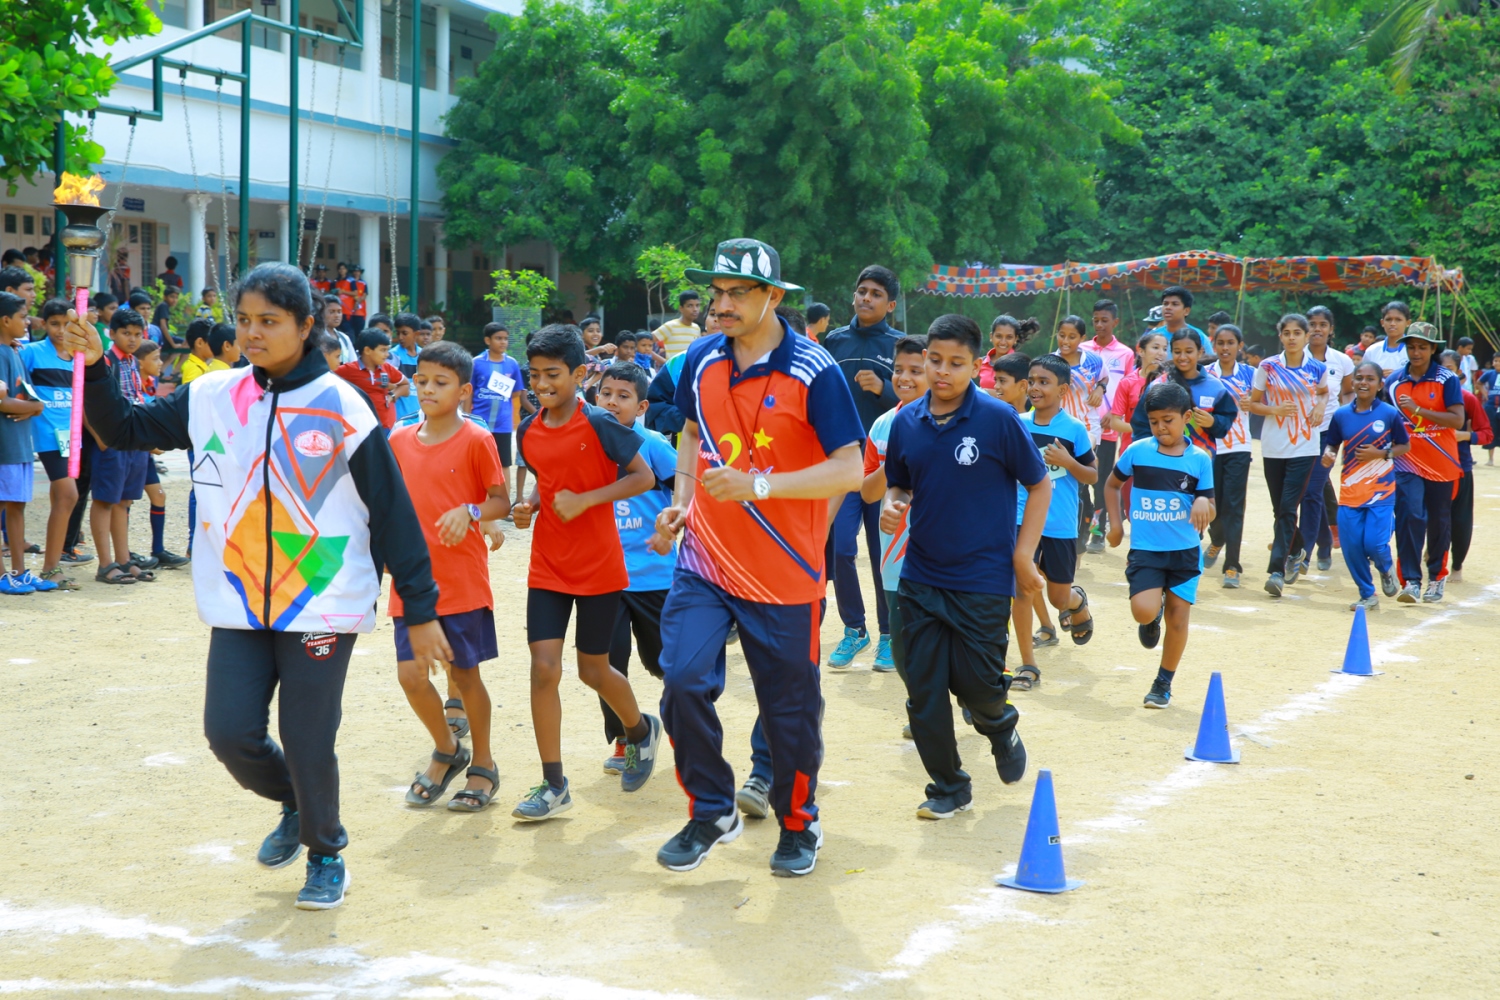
[
  {"x": 244, "y": 669},
  {"x": 954, "y": 642}
]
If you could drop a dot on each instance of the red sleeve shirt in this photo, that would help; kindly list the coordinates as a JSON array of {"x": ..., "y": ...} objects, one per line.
[
  {"x": 368, "y": 382},
  {"x": 590, "y": 451},
  {"x": 440, "y": 477}
]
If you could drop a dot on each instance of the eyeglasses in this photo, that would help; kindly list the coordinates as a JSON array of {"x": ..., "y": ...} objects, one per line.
[{"x": 736, "y": 294}]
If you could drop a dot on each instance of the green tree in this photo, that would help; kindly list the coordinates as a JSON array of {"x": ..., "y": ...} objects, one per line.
[
  {"x": 1014, "y": 131},
  {"x": 46, "y": 70},
  {"x": 539, "y": 154},
  {"x": 1452, "y": 155},
  {"x": 1264, "y": 132}
]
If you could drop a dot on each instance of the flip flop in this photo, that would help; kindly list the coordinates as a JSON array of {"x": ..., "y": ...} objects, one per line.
[
  {"x": 473, "y": 800},
  {"x": 1080, "y": 633},
  {"x": 456, "y": 762}
]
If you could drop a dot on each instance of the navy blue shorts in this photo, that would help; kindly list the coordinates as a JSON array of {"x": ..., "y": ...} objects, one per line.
[
  {"x": 1176, "y": 571},
  {"x": 1057, "y": 558},
  {"x": 470, "y": 633},
  {"x": 153, "y": 474},
  {"x": 119, "y": 475}
]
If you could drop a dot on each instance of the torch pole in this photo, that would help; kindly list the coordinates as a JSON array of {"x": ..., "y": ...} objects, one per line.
[
  {"x": 83, "y": 240},
  {"x": 75, "y": 418}
]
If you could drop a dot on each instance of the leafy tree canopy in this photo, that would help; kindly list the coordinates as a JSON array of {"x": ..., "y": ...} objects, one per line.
[{"x": 45, "y": 71}]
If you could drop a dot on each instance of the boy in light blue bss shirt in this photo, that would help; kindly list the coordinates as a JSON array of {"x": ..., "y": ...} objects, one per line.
[
  {"x": 1171, "y": 503},
  {"x": 497, "y": 377},
  {"x": 622, "y": 392},
  {"x": 15, "y": 445},
  {"x": 1063, "y": 442},
  {"x": 954, "y": 460}
]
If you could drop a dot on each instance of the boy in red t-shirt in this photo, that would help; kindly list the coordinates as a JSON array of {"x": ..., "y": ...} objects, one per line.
[
  {"x": 376, "y": 377},
  {"x": 456, "y": 466},
  {"x": 583, "y": 461}
]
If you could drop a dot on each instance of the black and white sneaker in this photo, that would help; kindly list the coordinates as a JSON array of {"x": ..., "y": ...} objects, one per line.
[
  {"x": 944, "y": 806},
  {"x": 797, "y": 852},
  {"x": 1010, "y": 758},
  {"x": 1150, "y": 633},
  {"x": 687, "y": 850},
  {"x": 1160, "y": 694}
]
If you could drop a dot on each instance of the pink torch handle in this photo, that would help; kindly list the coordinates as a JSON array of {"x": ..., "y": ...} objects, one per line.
[{"x": 75, "y": 435}]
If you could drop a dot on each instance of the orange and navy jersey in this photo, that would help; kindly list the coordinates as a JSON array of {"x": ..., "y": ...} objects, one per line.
[
  {"x": 1366, "y": 484},
  {"x": 1087, "y": 374},
  {"x": 788, "y": 411},
  {"x": 1434, "y": 449}
]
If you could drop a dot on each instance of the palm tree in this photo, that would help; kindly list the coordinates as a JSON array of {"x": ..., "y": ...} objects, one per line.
[{"x": 1406, "y": 26}]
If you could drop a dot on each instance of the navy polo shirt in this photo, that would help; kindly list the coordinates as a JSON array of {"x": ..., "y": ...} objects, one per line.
[{"x": 963, "y": 477}]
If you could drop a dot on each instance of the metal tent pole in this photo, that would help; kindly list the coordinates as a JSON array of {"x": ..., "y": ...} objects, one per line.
[
  {"x": 417, "y": 69},
  {"x": 294, "y": 217},
  {"x": 245, "y": 150}
]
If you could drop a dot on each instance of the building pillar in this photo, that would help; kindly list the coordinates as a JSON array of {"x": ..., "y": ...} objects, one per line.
[
  {"x": 439, "y": 263},
  {"x": 370, "y": 66},
  {"x": 283, "y": 233},
  {"x": 369, "y": 259},
  {"x": 444, "y": 49},
  {"x": 197, "y": 243},
  {"x": 554, "y": 265},
  {"x": 194, "y": 18}
]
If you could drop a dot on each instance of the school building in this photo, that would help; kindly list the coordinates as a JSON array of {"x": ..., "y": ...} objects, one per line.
[{"x": 180, "y": 195}]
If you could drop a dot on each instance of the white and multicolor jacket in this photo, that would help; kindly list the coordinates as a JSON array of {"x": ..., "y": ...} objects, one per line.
[{"x": 300, "y": 501}]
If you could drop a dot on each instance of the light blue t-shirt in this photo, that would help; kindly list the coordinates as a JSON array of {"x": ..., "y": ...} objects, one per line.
[
  {"x": 405, "y": 360},
  {"x": 1162, "y": 496},
  {"x": 1068, "y": 431},
  {"x": 52, "y": 378},
  {"x": 636, "y": 517}
]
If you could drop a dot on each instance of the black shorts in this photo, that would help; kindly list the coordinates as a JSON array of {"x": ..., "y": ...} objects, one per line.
[
  {"x": 547, "y": 613},
  {"x": 1057, "y": 558},
  {"x": 640, "y": 611},
  {"x": 470, "y": 633},
  {"x": 1177, "y": 571},
  {"x": 502, "y": 445},
  {"x": 55, "y": 465}
]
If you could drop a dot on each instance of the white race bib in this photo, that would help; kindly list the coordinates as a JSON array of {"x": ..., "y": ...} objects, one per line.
[{"x": 500, "y": 385}]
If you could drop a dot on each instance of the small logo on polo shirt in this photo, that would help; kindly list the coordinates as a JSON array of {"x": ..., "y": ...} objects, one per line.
[
  {"x": 967, "y": 452},
  {"x": 1378, "y": 426}
]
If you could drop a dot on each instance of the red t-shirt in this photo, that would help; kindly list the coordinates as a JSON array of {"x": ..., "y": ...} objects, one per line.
[
  {"x": 1127, "y": 396},
  {"x": 590, "y": 451},
  {"x": 441, "y": 477},
  {"x": 368, "y": 382}
]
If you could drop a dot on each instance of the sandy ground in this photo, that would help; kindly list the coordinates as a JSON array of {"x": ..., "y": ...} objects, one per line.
[{"x": 1351, "y": 853}]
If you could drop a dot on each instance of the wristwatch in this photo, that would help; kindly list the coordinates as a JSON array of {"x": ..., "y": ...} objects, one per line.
[
  {"x": 762, "y": 486},
  {"x": 473, "y": 509}
]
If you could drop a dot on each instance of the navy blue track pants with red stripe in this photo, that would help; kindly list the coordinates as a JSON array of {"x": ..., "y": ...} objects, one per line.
[{"x": 780, "y": 644}]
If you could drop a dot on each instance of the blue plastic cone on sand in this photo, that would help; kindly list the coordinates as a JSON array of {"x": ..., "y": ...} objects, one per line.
[
  {"x": 1357, "y": 653},
  {"x": 1213, "y": 729},
  {"x": 1041, "y": 866}
]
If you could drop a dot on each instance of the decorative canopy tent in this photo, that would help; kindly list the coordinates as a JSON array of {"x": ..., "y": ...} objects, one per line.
[{"x": 1200, "y": 270}]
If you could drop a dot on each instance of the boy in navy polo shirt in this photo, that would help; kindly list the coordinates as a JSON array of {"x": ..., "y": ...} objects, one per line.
[
  {"x": 1171, "y": 502},
  {"x": 1063, "y": 442},
  {"x": 622, "y": 392},
  {"x": 955, "y": 457}
]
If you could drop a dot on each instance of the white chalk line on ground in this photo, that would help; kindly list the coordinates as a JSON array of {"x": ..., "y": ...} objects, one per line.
[
  {"x": 356, "y": 975},
  {"x": 994, "y": 905}
]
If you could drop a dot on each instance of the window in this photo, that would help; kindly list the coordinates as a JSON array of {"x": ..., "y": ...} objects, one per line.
[
  {"x": 171, "y": 12},
  {"x": 472, "y": 44},
  {"x": 10, "y": 222},
  {"x": 28, "y": 225},
  {"x": 390, "y": 38}
]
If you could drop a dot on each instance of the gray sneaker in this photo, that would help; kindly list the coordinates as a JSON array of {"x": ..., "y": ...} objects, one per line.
[
  {"x": 754, "y": 799},
  {"x": 1371, "y": 603},
  {"x": 797, "y": 852},
  {"x": 543, "y": 802},
  {"x": 640, "y": 758},
  {"x": 1295, "y": 567},
  {"x": 1274, "y": 584},
  {"x": 687, "y": 850},
  {"x": 1410, "y": 594},
  {"x": 1388, "y": 584},
  {"x": 1434, "y": 592}
]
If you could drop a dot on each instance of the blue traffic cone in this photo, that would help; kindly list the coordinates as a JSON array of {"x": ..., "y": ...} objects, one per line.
[
  {"x": 1213, "y": 728},
  {"x": 1041, "y": 866},
  {"x": 1357, "y": 653}
]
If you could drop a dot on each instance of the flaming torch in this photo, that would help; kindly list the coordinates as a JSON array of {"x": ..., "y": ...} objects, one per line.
[{"x": 83, "y": 240}]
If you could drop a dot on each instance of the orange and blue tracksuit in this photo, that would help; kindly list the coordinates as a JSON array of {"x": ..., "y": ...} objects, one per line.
[
  {"x": 757, "y": 564},
  {"x": 1427, "y": 477},
  {"x": 1367, "y": 490}
]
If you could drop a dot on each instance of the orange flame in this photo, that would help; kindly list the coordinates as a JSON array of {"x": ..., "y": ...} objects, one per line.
[{"x": 75, "y": 190}]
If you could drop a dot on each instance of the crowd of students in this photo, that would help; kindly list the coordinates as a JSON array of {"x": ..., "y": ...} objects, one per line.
[{"x": 701, "y": 486}]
